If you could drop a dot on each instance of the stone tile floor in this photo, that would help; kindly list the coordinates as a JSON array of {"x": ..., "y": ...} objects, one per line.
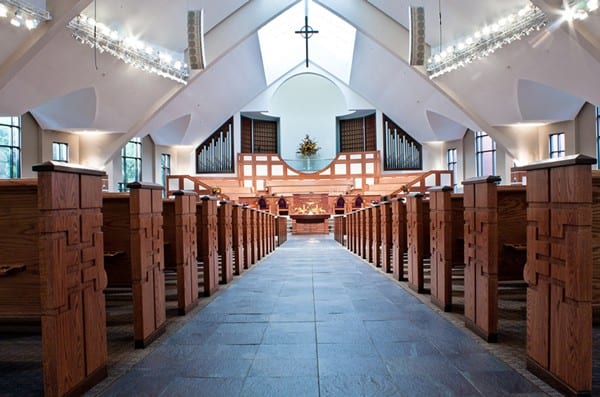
[{"x": 311, "y": 319}]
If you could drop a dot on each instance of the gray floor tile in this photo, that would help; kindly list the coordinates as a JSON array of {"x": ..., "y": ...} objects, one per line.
[
  {"x": 205, "y": 387},
  {"x": 276, "y": 387},
  {"x": 373, "y": 385}
]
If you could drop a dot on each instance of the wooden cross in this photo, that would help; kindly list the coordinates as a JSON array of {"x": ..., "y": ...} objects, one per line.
[{"x": 306, "y": 32}]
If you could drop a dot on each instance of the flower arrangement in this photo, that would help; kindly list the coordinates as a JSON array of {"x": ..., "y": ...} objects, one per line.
[{"x": 307, "y": 147}]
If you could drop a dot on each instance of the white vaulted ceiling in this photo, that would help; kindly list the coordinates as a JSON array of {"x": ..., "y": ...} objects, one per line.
[{"x": 544, "y": 77}]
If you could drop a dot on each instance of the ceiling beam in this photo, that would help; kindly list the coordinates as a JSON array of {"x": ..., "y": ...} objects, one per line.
[
  {"x": 62, "y": 11},
  {"x": 381, "y": 28},
  {"x": 218, "y": 41}
]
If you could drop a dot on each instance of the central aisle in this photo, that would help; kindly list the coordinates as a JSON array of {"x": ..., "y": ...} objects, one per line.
[{"x": 314, "y": 320}]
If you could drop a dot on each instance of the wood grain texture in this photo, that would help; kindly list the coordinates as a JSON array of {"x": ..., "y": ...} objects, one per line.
[
  {"x": 386, "y": 237},
  {"x": 559, "y": 274},
  {"x": 376, "y": 235},
  {"x": 207, "y": 243},
  {"x": 399, "y": 238},
  {"x": 417, "y": 234},
  {"x": 237, "y": 235},
  {"x": 71, "y": 264},
  {"x": 446, "y": 240},
  {"x": 224, "y": 214}
]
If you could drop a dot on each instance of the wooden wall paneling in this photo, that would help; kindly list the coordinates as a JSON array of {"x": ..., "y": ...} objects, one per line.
[
  {"x": 208, "y": 245},
  {"x": 417, "y": 234},
  {"x": 237, "y": 236},
  {"x": 559, "y": 273},
  {"x": 386, "y": 236},
  {"x": 376, "y": 235},
  {"x": 225, "y": 237},
  {"x": 71, "y": 265},
  {"x": 481, "y": 256},
  {"x": 446, "y": 236},
  {"x": 399, "y": 238}
]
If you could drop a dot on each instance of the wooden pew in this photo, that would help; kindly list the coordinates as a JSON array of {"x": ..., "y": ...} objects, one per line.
[
  {"x": 367, "y": 234},
  {"x": 237, "y": 233},
  {"x": 386, "y": 236},
  {"x": 134, "y": 254},
  {"x": 399, "y": 244},
  {"x": 208, "y": 243},
  {"x": 446, "y": 242},
  {"x": 495, "y": 219},
  {"x": 53, "y": 268},
  {"x": 360, "y": 232},
  {"x": 254, "y": 244},
  {"x": 225, "y": 237},
  {"x": 338, "y": 228},
  {"x": 179, "y": 220},
  {"x": 281, "y": 229},
  {"x": 247, "y": 236},
  {"x": 561, "y": 218},
  {"x": 376, "y": 235},
  {"x": 417, "y": 234}
]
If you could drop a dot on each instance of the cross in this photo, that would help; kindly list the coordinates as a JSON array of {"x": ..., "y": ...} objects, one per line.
[{"x": 306, "y": 32}]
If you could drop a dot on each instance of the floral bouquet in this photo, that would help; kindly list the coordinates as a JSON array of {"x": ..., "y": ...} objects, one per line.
[{"x": 307, "y": 147}]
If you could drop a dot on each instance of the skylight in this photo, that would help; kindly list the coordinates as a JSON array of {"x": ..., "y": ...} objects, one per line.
[{"x": 282, "y": 49}]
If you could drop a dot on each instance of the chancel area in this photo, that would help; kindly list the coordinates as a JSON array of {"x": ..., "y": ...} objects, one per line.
[{"x": 299, "y": 198}]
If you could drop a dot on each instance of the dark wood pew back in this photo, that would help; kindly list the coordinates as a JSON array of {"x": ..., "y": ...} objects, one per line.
[
  {"x": 559, "y": 272},
  {"x": 495, "y": 234},
  {"x": 179, "y": 220},
  {"x": 59, "y": 222},
  {"x": 19, "y": 239},
  {"x": 399, "y": 240},
  {"x": 417, "y": 235},
  {"x": 208, "y": 243},
  {"x": 224, "y": 214},
  {"x": 446, "y": 241},
  {"x": 134, "y": 254}
]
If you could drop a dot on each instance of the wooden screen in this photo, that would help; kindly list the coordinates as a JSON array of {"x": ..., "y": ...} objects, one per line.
[
  {"x": 358, "y": 135},
  {"x": 215, "y": 154},
  {"x": 259, "y": 136},
  {"x": 400, "y": 150}
]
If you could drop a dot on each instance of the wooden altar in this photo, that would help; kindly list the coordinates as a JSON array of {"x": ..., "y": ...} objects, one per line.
[{"x": 309, "y": 214}]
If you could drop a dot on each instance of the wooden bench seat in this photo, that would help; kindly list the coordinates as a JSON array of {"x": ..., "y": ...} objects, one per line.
[
  {"x": 52, "y": 226},
  {"x": 495, "y": 217},
  {"x": 134, "y": 255}
]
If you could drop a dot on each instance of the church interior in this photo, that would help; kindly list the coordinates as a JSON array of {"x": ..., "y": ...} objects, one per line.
[{"x": 299, "y": 197}]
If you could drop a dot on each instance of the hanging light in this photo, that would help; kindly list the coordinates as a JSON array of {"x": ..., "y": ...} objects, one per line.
[
  {"x": 23, "y": 14},
  {"x": 131, "y": 50}
]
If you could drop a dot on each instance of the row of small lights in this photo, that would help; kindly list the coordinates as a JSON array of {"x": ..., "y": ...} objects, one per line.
[
  {"x": 492, "y": 37},
  {"x": 23, "y": 14},
  {"x": 141, "y": 55}
]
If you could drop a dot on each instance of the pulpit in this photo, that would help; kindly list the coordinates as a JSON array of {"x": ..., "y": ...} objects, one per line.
[{"x": 309, "y": 215}]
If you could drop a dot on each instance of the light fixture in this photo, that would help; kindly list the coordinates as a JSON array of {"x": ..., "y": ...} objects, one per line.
[
  {"x": 579, "y": 10},
  {"x": 23, "y": 14},
  {"x": 486, "y": 40},
  {"x": 494, "y": 36},
  {"x": 141, "y": 55}
]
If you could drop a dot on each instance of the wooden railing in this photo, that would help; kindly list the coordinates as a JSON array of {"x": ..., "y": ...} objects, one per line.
[{"x": 420, "y": 185}]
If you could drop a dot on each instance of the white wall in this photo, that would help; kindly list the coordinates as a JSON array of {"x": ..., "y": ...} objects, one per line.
[{"x": 308, "y": 104}]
